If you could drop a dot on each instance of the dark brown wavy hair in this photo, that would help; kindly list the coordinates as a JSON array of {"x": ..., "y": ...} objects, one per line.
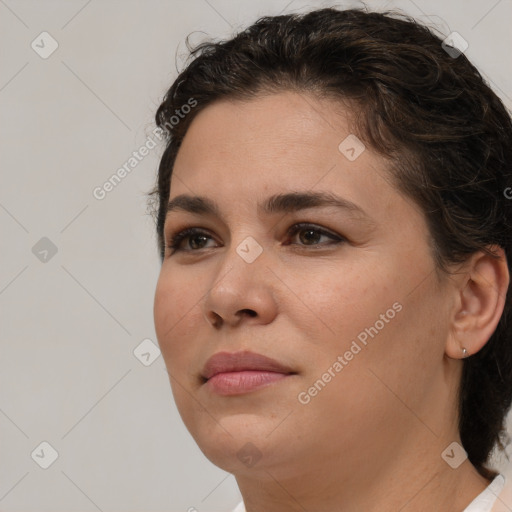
[{"x": 428, "y": 110}]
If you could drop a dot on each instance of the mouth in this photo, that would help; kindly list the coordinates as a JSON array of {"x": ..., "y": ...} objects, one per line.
[{"x": 242, "y": 372}]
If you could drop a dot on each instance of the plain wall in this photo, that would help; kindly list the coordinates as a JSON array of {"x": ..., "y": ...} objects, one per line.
[{"x": 69, "y": 325}]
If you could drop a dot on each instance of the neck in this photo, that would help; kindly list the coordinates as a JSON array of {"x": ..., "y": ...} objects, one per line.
[{"x": 411, "y": 482}]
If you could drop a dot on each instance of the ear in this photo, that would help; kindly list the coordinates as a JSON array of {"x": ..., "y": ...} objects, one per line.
[{"x": 481, "y": 290}]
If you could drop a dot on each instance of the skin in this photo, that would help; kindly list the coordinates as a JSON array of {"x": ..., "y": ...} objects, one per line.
[{"x": 372, "y": 438}]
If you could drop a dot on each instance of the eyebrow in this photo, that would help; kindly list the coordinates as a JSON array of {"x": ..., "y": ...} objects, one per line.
[{"x": 279, "y": 203}]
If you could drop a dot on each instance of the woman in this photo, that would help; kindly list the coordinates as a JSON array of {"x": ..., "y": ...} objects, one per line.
[{"x": 333, "y": 305}]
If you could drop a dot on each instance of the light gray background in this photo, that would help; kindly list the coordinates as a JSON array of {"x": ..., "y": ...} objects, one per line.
[{"x": 69, "y": 326}]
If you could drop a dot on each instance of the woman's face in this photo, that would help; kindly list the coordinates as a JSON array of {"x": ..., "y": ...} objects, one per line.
[{"x": 350, "y": 303}]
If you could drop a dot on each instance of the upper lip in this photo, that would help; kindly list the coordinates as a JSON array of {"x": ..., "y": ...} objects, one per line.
[{"x": 240, "y": 361}]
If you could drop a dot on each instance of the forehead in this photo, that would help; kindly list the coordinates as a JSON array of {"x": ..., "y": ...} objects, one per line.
[
  {"x": 286, "y": 122},
  {"x": 245, "y": 151},
  {"x": 280, "y": 132}
]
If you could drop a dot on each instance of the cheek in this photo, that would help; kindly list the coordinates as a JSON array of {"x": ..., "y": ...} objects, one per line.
[
  {"x": 363, "y": 317},
  {"x": 342, "y": 301},
  {"x": 176, "y": 306}
]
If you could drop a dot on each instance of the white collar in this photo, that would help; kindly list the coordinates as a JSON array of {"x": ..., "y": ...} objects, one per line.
[{"x": 486, "y": 499}]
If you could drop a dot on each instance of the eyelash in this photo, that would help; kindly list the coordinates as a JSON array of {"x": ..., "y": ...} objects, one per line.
[{"x": 175, "y": 241}]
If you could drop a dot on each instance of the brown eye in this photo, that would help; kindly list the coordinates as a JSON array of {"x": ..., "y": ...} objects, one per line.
[
  {"x": 309, "y": 235},
  {"x": 196, "y": 238}
]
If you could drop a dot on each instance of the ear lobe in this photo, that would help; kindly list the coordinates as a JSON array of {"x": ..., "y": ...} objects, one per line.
[{"x": 481, "y": 291}]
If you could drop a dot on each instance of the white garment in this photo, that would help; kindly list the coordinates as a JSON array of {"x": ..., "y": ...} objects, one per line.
[
  {"x": 240, "y": 507},
  {"x": 482, "y": 503}
]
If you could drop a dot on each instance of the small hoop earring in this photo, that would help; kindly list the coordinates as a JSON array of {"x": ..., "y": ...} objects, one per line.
[{"x": 464, "y": 352}]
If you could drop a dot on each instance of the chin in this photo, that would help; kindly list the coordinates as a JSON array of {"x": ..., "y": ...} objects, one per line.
[{"x": 237, "y": 442}]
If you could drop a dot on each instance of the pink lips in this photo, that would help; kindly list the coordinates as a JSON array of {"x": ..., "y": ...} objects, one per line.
[{"x": 241, "y": 372}]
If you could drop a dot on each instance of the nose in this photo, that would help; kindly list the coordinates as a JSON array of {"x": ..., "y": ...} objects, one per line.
[{"x": 242, "y": 290}]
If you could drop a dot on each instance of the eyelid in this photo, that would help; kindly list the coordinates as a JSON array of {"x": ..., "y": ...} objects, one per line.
[
  {"x": 303, "y": 226},
  {"x": 176, "y": 237}
]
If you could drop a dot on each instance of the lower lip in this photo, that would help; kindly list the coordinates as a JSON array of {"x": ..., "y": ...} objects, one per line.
[{"x": 237, "y": 383}]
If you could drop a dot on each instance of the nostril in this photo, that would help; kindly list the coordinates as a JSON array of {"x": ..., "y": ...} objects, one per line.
[{"x": 213, "y": 318}]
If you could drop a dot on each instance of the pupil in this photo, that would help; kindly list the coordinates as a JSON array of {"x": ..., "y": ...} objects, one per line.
[
  {"x": 195, "y": 238},
  {"x": 313, "y": 238}
]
